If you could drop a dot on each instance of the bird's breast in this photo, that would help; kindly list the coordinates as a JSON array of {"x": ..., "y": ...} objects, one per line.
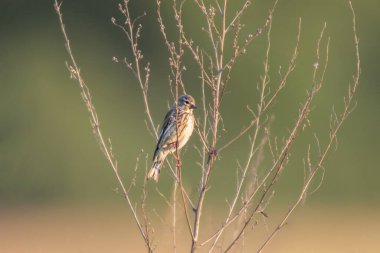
[{"x": 188, "y": 130}]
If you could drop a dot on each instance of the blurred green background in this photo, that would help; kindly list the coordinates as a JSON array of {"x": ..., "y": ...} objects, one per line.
[{"x": 49, "y": 157}]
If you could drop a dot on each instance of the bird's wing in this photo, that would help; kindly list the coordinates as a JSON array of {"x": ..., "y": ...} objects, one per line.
[{"x": 165, "y": 126}]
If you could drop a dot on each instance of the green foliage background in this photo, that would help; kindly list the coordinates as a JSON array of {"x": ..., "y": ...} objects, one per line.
[{"x": 49, "y": 155}]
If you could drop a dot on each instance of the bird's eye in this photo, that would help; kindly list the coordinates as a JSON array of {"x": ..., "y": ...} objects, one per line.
[{"x": 187, "y": 102}]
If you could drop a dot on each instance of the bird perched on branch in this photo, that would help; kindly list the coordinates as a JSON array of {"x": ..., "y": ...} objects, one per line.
[{"x": 175, "y": 131}]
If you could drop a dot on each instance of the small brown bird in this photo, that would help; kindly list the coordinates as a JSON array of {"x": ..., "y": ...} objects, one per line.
[{"x": 169, "y": 141}]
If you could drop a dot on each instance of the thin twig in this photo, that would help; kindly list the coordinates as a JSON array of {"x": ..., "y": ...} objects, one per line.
[
  {"x": 332, "y": 136},
  {"x": 86, "y": 96}
]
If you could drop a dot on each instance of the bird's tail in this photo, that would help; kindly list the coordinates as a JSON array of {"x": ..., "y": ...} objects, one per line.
[{"x": 154, "y": 172}]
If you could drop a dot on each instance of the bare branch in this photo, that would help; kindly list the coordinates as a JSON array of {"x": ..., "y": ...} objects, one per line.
[
  {"x": 94, "y": 120},
  {"x": 332, "y": 136}
]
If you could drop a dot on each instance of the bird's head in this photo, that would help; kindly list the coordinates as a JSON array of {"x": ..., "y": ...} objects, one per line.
[{"x": 186, "y": 102}]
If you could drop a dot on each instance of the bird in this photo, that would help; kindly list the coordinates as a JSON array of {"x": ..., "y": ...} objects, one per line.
[{"x": 179, "y": 118}]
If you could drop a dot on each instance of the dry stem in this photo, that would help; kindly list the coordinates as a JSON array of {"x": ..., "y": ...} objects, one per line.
[
  {"x": 332, "y": 136},
  {"x": 94, "y": 120},
  {"x": 215, "y": 68}
]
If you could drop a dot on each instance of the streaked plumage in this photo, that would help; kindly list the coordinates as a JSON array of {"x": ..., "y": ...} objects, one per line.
[{"x": 167, "y": 139}]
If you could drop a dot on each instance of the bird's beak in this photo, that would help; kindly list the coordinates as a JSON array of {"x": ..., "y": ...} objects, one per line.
[{"x": 193, "y": 106}]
